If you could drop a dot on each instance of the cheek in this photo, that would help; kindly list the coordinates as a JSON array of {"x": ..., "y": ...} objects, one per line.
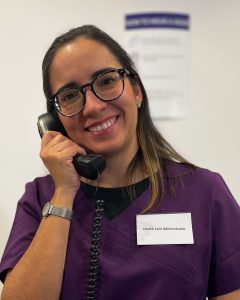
[
  {"x": 71, "y": 125},
  {"x": 129, "y": 104}
]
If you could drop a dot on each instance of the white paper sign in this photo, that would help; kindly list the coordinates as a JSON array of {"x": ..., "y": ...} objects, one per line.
[
  {"x": 159, "y": 45},
  {"x": 157, "y": 229}
]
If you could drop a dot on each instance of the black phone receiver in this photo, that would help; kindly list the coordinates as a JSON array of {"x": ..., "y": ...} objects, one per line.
[{"x": 90, "y": 165}]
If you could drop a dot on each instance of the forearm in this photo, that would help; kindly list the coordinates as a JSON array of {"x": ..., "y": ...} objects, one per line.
[{"x": 38, "y": 274}]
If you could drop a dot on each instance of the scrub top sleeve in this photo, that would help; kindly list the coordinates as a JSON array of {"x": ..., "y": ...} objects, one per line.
[
  {"x": 224, "y": 273},
  {"x": 25, "y": 225}
]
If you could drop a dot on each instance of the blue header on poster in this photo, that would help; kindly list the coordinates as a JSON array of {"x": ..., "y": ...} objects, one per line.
[{"x": 157, "y": 20}]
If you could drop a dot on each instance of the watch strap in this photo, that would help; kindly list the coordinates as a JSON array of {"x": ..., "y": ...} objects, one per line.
[
  {"x": 50, "y": 209},
  {"x": 62, "y": 212}
]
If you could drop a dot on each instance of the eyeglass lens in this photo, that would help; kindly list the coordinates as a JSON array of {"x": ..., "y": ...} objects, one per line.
[{"x": 107, "y": 86}]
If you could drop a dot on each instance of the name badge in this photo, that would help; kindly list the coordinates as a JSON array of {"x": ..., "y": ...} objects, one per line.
[{"x": 162, "y": 229}]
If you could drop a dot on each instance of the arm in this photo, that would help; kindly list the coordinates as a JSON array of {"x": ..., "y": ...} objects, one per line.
[
  {"x": 230, "y": 296},
  {"x": 224, "y": 272},
  {"x": 38, "y": 274}
]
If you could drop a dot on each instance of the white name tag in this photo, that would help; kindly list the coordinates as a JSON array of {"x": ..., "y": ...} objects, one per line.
[{"x": 157, "y": 229}]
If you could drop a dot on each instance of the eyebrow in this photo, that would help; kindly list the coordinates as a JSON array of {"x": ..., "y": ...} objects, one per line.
[
  {"x": 98, "y": 72},
  {"x": 73, "y": 84}
]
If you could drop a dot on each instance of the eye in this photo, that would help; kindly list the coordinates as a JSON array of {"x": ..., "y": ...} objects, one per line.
[
  {"x": 69, "y": 96},
  {"x": 107, "y": 80}
]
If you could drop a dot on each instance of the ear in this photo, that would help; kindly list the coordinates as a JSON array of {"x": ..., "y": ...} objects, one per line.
[{"x": 138, "y": 92}]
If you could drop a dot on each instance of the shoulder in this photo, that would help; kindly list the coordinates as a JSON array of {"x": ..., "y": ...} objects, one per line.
[
  {"x": 44, "y": 183},
  {"x": 197, "y": 183},
  {"x": 38, "y": 191},
  {"x": 191, "y": 174}
]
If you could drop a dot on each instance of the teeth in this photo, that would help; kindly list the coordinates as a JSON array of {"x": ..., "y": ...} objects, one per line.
[{"x": 104, "y": 125}]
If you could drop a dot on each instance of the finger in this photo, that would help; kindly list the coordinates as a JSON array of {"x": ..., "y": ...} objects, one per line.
[
  {"x": 59, "y": 143},
  {"x": 55, "y": 144},
  {"x": 49, "y": 136},
  {"x": 73, "y": 150}
]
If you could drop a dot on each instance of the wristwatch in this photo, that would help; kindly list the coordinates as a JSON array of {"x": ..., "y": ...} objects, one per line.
[{"x": 50, "y": 209}]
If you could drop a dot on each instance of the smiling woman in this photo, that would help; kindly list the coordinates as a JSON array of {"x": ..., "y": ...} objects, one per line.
[
  {"x": 93, "y": 90},
  {"x": 118, "y": 109}
]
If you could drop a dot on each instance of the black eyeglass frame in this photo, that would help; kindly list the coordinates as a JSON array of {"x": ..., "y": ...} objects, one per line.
[{"x": 54, "y": 102}]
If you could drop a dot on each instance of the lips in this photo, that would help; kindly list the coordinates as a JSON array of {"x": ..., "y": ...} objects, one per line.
[{"x": 102, "y": 126}]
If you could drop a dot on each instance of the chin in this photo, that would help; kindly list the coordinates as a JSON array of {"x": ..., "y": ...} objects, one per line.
[{"x": 107, "y": 151}]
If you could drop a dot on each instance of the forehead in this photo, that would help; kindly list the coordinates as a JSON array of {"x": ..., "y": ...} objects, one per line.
[{"x": 78, "y": 60}]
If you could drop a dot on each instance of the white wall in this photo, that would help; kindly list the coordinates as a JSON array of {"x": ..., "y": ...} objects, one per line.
[{"x": 209, "y": 136}]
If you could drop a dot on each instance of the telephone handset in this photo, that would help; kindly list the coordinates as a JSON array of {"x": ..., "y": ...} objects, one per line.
[{"x": 89, "y": 165}]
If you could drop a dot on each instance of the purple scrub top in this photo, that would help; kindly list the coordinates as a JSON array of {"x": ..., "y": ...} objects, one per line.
[{"x": 209, "y": 267}]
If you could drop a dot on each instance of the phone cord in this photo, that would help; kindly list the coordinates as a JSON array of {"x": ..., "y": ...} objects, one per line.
[{"x": 95, "y": 250}]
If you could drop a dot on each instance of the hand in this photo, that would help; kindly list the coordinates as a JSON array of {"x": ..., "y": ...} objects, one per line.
[{"x": 57, "y": 152}]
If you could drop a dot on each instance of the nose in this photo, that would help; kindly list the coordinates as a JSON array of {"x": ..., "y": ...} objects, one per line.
[{"x": 93, "y": 104}]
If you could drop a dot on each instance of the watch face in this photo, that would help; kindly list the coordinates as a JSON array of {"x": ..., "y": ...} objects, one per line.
[{"x": 46, "y": 209}]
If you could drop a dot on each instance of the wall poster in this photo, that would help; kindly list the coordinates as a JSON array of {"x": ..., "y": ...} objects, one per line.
[{"x": 159, "y": 45}]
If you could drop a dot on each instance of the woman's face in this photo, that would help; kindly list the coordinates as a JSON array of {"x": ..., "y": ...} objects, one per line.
[{"x": 102, "y": 127}]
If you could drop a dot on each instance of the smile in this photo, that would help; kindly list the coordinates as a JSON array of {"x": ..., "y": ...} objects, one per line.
[{"x": 105, "y": 125}]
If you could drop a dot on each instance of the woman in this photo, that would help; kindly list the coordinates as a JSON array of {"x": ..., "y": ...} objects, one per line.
[{"x": 93, "y": 88}]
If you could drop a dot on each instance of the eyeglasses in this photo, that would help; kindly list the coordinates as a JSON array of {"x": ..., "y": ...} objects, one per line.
[{"x": 107, "y": 86}]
